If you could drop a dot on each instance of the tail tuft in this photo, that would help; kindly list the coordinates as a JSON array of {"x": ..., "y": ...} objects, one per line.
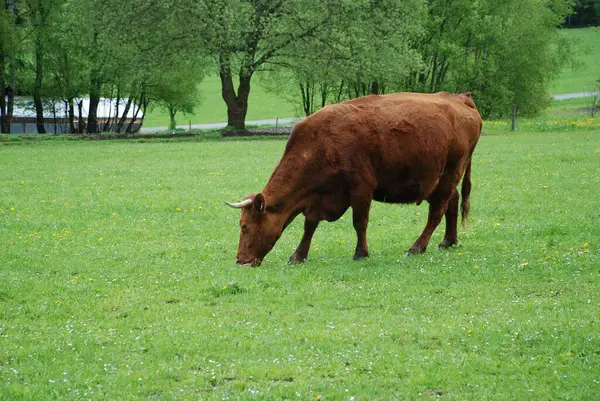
[{"x": 465, "y": 191}]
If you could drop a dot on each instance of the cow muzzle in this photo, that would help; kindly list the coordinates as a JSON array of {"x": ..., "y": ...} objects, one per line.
[{"x": 253, "y": 263}]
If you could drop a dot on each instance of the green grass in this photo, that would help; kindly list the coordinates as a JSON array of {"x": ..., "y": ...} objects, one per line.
[
  {"x": 568, "y": 109},
  {"x": 117, "y": 281},
  {"x": 581, "y": 78},
  {"x": 561, "y": 115},
  {"x": 212, "y": 109}
]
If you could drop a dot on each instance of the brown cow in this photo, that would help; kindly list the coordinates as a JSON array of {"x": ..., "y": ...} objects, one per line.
[{"x": 398, "y": 148}]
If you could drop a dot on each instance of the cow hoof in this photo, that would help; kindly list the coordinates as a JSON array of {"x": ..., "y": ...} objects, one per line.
[
  {"x": 360, "y": 255},
  {"x": 295, "y": 260},
  {"x": 414, "y": 251},
  {"x": 445, "y": 244}
]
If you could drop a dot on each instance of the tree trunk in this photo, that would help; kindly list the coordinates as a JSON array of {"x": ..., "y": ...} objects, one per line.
[
  {"x": 10, "y": 102},
  {"x": 54, "y": 118},
  {"x": 323, "y": 95},
  {"x": 306, "y": 98},
  {"x": 143, "y": 103},
  {"x": 37, "y": 91},
  {"x": 375, "y": 88},
  {"x": 71, "y": 108},
  {"x": 39, "y": 79},
  {"x": 125, "y": 112},
  {"x": 116, "y": 117},
  {"x": 172, "y": 113},
  {"x": 81, "y": 123},
  {"x": 4, "y": 126},
  {"x": 433, "y": 72},
  {"x": 93, "y": 127},
  {"x": 10, "y": 96},
  {"x": 237, "y": 105},
  {"x": 107, "y": 124}
]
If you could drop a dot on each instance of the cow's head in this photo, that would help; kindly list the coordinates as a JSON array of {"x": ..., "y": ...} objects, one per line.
[{"x": 259, "y": 230}]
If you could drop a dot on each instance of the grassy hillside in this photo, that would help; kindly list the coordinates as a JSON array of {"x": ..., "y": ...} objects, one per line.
[
  {"x": 212, "y": 109},
  {"x": 581, "y": 78}
]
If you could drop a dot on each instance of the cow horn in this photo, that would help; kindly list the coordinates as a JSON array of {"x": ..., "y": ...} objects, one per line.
[{"x": 241, "y": 204}]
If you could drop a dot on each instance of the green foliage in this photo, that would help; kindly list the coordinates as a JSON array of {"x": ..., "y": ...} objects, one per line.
[
  {"x": 179, "y": 93},
  {"x": 117, "y": 281},
  {"x": 311, "y": 53},
  {"x": 92, "y": 48},
  {"x": 505, "y": 53},
  {"x": 365, "y": 47}
]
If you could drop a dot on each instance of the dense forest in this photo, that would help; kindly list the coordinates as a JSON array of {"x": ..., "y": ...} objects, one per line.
[{"x": 504, "y": 51}]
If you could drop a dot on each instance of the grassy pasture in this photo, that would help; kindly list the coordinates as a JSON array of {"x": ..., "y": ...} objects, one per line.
[
  {"x": 117, "y": 281},
  {"x": 212, "y": 109},
  {"x": 587, "y": 71}
]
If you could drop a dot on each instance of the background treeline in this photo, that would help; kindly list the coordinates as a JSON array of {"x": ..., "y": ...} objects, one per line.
[
  {"x": 586, "y": 13},
  {"x": 313, "y": 53}
]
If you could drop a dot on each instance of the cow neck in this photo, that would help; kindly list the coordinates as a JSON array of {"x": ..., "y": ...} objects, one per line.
[{"x": 284, "y": 198}]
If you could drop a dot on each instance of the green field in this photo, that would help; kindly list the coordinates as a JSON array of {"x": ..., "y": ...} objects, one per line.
[
  {"x": 587, "y": 71},
  {"x": 117, "y": 280},
  {"x": 212, "y": 108}
]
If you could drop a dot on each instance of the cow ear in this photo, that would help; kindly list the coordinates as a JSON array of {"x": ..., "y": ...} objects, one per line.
[{"x": 260, "y": 203}]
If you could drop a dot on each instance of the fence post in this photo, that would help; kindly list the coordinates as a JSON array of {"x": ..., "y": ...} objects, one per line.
[
  {"x": 514, "y": 118},
  {"x": 277, "y": 125}
]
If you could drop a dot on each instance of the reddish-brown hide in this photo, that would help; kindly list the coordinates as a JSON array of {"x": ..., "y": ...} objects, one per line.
[{"x": 398, "y": 148}]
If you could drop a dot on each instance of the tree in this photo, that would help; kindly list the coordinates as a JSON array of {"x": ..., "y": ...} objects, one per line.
[
  {"x": 118, "y": 51},
  {"x": 505, "y": 52},
  {"x": 9, "y": 42},
  {"x": 366, "y": 47},
  {"x": 594, "y": 98},
  {"x": 586, "y": 13},
  {"x": 247, "y": 34},
  {"x": 40, "y": 15},
  {"x": 179, "y": 92}
]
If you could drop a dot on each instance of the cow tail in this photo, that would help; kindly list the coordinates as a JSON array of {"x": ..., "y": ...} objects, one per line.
[{"x": 465, "y": 191}]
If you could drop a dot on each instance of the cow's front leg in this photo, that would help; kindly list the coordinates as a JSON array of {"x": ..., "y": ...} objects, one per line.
[
  {"x": 301, "y": 252},
  {"x": 360, "y": 220}
]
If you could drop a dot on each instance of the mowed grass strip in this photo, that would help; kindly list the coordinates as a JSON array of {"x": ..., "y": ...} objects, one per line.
[{"x": 117, "y": 281}]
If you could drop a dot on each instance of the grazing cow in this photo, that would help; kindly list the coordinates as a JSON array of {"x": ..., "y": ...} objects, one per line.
[{"x": 397, "y": 148}]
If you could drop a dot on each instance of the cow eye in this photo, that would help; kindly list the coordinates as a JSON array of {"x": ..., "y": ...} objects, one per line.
[{"x": 244, "y": 228}]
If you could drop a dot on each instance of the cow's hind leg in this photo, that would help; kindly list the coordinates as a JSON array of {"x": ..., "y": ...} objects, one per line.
[
  {"x": 436, "y": 212},
  {"x": 301, "y": 252},
  {"x": 450, "y": 237},
  {"x": 438, "y": 204}
]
